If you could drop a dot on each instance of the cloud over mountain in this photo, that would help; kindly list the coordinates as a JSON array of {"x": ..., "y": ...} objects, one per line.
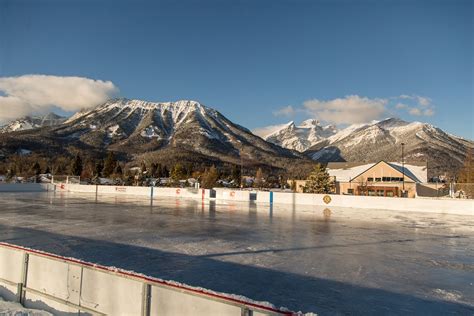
[{"x": 39, "y": 94}]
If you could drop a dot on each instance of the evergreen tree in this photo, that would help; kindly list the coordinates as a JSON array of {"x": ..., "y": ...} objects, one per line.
[
  {"x": 465, "y": 181},
  {"x": 154, "y": 170},
  {"x": 118, "y": 171},
  {"x": 159, "y": 171},
  {"x": 319, "y": 181},
  {"x": 178, "y": 172},
  {"x": 99, "y": 166},
  {"x": 209, "y": 178},
  {"x": 235, "y": 175},
  {"x": 36, "y": 168},
  {"x": 259, "y": 178},
  {"x": 48, "y": 170},
  {"x": 109, "y": 165},
  {"x": 76, "y": 166},
  {"x": 143, "y": 167}
]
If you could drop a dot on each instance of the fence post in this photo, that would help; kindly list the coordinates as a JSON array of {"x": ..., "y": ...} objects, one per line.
[
  {"x": 22, "y": 284},
  {"x": 146, "y": 297}
]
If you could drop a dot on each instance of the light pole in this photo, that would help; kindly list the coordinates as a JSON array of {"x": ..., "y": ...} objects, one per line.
[{"x": 403, "y": 169}]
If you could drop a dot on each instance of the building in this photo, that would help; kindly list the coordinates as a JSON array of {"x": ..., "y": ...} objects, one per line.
[{"x": 377, "y": 179}]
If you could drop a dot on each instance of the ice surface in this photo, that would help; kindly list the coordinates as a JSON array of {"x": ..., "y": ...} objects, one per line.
[{"x": 328, "y": 261}]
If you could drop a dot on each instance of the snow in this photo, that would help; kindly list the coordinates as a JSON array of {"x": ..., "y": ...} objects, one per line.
[
  {"x": 300, "y": 137},
  {"x": 150, "y": 132},
  {"x": 346, "y": 174},
  {"x": 113, "y": 131},
  {"x": 329, "y": 261},
  {"x": 15, "y": 309}
]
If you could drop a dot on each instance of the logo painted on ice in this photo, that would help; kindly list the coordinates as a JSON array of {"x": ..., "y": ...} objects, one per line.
[
  {"x": 232, "y": 194},
  {"x": 178, "y": 191},
  {"x": 327, "y": 199}
]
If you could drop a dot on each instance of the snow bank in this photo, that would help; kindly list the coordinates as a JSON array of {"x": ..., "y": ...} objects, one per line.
[{"x": 15, "y": 309}]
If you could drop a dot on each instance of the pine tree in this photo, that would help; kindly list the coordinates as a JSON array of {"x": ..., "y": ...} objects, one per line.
[
  {"x": 209, "y": 178},
  {"x": 36, "y": 168},
  {"x": 259, "y": 178},
  {"x": 153, "y": 170},
  {"x": 99, "y": 166},
  {"x": 118, "y": 171},
  {"x": 235, "y": 175},
  {"x": 48, "y": 170},
  {"x": 109, "y": 165},
  {"x": 319, "y": 181},
  {"x": 76, "y": 166},
  {"x": 465, "y": 181},
  {"x": 178, "y": 172}
]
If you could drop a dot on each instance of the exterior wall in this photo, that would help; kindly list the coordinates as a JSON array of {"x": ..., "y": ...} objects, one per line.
[
  {"x": 380, "y": 170},
  {"x": 67, "y": 286},
  {"x": 432, "y": 189},
  {"x": 344, "y": 187}
]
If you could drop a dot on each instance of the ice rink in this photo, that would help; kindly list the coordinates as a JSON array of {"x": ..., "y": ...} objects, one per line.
[{"x": 328, "y": 261}]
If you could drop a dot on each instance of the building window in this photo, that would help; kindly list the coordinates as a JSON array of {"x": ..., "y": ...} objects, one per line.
[
  {"x": 386, "y": 179},
  {"x": 370, "y": 179},
  {"x": 390, "y": 193},
  {"x": 350, "y": 191},
  {"x": 380, "y": 192},
  {"x": 377, "y": 179},
  {"x": 371, "y": 193}
]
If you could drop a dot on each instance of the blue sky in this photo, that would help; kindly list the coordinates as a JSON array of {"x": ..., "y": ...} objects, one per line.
[{"x": 258, "y": 62}]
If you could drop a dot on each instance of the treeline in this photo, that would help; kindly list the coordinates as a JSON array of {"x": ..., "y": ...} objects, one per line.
[{"x": 91, "y": 169}]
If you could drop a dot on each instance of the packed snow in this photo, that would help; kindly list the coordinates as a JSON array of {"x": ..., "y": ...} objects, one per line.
[{"x": 16, "y": 309}]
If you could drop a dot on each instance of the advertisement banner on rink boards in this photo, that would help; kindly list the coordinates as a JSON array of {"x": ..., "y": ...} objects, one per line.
[{"x": 128, "y": 190}]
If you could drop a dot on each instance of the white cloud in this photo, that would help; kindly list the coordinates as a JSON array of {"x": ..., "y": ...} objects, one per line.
[
  {"x": 38, "y": 94},
  {"x": 401, "y": 106},
  {"x": 429, "y": 112},
  {"x": 348, "y": 110},
  {"x": 267, "y": 130},
  {"x": 415, "y": 111},
  {"x": 285, "y": 111},
  {"x": 419, "y": 105}
]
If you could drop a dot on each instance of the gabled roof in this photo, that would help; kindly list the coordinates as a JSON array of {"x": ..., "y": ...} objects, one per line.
[{"x": 347, "y": 171}]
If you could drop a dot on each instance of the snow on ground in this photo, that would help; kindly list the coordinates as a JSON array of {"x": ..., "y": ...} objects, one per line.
[
  {"x": 328, "y": 261},
  {"x": 15, "y": 309}
]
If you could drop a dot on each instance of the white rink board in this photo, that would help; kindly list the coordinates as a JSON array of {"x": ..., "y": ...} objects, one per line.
[
  {"x": 124, "y": 190},
  {"x": 167, "y": 302},
  {"x": 110, "y": 294},
  {"x": 11, "y": 264},
  {"x": 64, "y": 286},
  {"x": 232, "y": 195}
]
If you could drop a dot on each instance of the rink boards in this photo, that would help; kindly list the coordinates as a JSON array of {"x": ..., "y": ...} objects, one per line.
[{"x": 67, "y": 286}]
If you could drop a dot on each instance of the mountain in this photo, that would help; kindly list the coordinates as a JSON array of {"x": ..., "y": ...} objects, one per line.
[
  {"x": 137, "y": 130},
  {"x": 301, "y": 137},
  {"x": 30, "y": 122},
  {"x": 382, "y": 141}
]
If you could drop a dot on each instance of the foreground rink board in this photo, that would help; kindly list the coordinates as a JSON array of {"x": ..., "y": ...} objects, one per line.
[{"x": 65, "y": 286}]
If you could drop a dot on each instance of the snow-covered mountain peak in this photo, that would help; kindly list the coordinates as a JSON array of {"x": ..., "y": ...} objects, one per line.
[
  {"x": 30, "y": 122},
  {"x": 309, "y": 123}
]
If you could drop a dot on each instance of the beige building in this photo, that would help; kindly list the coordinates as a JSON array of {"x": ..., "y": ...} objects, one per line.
[
  {"x": 374, "y": 179},
  {"x": 377, "y": 179}
]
